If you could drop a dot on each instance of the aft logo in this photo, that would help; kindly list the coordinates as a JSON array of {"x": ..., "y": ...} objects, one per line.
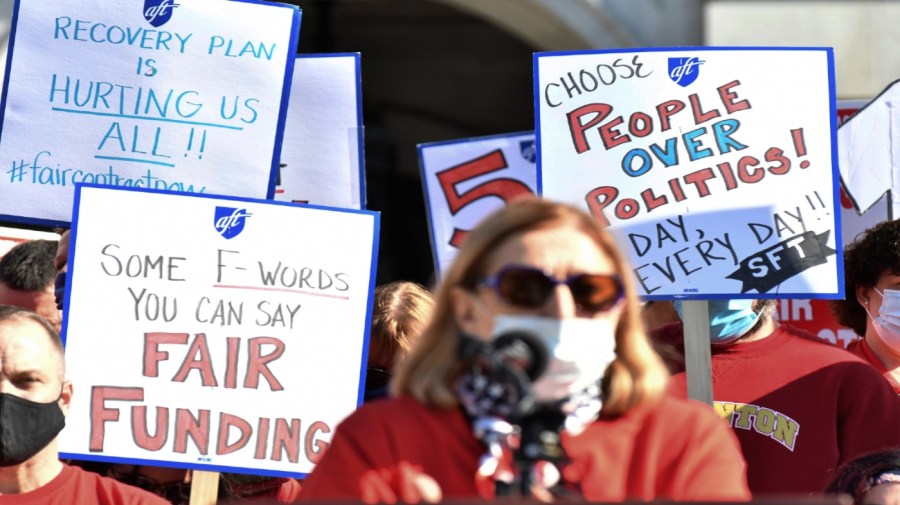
[
  {"x": 158, "y": 12},
  {"x": 229, "y": 221},
  {"x": 684, "y": 71},
  {"x": 528, "y": 148}
]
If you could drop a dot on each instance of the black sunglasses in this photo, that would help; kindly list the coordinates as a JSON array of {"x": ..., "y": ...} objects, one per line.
[{"x": 530, "y": 288}]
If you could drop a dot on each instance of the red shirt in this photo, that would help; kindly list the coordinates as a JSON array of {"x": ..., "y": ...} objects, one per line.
[
  {"x": 861, "y": 348},
  {"x": 76, "y": 486},
  {"x": 677, "y": 449},
  {"x": 799, "y": 406}
]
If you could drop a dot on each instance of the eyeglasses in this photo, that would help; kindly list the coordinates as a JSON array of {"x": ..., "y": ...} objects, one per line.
[{"x": 530, "y": 288}]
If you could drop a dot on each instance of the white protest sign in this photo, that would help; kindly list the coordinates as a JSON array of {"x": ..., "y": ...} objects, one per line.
[
  {"x": 714, "y": 167},
  {"x": 467, "y": 179},
  {"x": 187, "y": 96},
  {"x": 214, "y": 333},
  {"x": 870, "y": 152},
  {"x": 322, "y": 155}
]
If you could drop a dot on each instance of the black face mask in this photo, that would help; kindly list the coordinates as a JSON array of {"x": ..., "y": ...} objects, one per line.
[{"x": 26, "y": 427}]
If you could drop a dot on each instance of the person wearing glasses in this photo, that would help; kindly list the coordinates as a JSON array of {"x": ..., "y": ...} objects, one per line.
[
  {"x": 455, "y": 427},
  {"x": 800, "y": 407}
]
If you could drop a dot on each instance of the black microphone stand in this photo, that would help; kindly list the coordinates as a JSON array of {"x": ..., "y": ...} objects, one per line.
[
  {"x": 540, "y": 441},
  {"x": 517, "y": 359}
]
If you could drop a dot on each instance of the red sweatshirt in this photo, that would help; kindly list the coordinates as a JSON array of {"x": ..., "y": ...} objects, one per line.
[
  {"x": 800, "y": 407},
  {"x": 677, "y": 450},
  {"x": 74, "y": 485}
]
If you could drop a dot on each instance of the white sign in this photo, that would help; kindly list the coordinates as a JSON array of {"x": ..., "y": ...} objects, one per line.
[
  {"x": 713, "y": 166},
  {"x": 214, "y": 333},
  {"x": 870, "y": 153},
  {"x": 187, "y": 96},
  {"x": 322, "y": 156},
  {"x": 467, "y": 179}
]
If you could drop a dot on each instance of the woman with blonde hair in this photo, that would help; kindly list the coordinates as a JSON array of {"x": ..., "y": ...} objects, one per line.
[
  {"x": 399, "y": 313},
  {"x": 470, "y": 396}
]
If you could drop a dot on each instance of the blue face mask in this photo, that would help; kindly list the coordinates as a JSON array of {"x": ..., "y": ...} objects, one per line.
[
  {"x": 59, "y": 289},
  {"x": 729, "y": 320}
]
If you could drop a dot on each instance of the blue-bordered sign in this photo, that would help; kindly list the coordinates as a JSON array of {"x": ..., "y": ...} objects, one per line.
[
  {"x": 322, "y": 158},
  {"x": 715, "y": 167},
  {"x": 188, "y": 96},
  {"x": 466, "y": 179},
  {"x": 237, "y": 354}
]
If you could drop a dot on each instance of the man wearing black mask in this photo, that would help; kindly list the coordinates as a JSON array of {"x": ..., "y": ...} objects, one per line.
[{"x": 34, "y": 400}]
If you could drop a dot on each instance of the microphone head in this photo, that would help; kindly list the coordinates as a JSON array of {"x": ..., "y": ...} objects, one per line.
[{"x": 522, "y": 350}]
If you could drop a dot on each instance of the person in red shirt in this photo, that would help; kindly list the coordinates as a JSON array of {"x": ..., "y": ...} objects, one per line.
[
  {"x": 799, "y": 406},
  {"x": 535, "y": 331},
  {"x": 34, "y": 399},
  {"x": 871, "y": 307}
]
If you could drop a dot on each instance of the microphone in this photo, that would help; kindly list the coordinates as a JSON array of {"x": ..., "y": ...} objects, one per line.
[
  {"x": 522, "y": 350},
  {"x": 539, "y": 424},
  {"x": 513, "y": 361}
]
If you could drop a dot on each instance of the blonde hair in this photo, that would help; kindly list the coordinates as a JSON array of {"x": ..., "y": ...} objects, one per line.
[
  {"x": 399, "y": 313},
  {"x": 636, "y": 377}
]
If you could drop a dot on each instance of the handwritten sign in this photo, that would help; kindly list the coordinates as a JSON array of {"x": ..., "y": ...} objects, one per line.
[
  {"x": 214, "y": 333},
  {"x": 713, "y": 166},
  {"x": 187, "y": 96},
  {"x": 323, "y": 138},
  {"x": 467, "y": 179}
]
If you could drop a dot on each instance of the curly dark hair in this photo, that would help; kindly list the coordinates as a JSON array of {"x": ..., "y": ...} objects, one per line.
[
  {"x": 865, "y": 260},
  {"x": 855, "y": 477}
]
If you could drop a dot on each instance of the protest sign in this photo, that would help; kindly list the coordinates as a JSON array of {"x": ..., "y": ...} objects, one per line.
[
  {"x": 188, "y": 96},
  {"x": 322, "y": 155},
  {"x": 714, "y": 167},
  {"x": 214, "y": 333},
  {"x": 465, "y": 180},
  {"x": 869, "y": 151}
]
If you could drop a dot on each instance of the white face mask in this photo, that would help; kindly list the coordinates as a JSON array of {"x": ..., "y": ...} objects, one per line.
[
  {"x": 579, "y": 351},
  {"x": 887, "y": 324}
]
